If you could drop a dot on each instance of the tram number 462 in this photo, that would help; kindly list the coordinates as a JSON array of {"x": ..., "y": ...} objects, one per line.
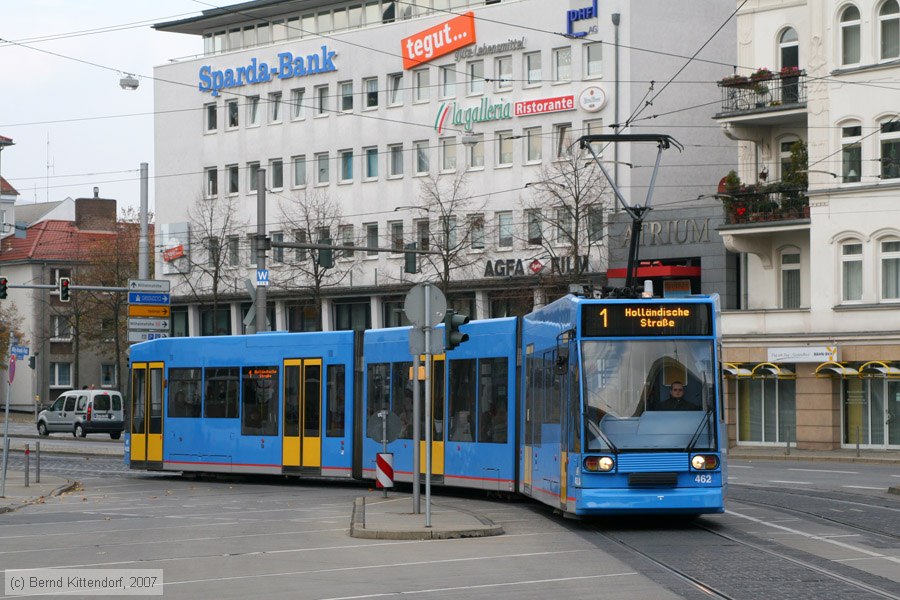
[{"x": 703, "y": 478}]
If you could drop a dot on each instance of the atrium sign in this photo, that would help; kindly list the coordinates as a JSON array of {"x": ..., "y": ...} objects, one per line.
[
  {"x": 581, "y": 14},
  {"x": 288, "y": 66}
]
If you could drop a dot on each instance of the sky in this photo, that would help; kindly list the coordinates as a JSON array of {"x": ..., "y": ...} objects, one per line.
[{"x": 73, "y": 116}]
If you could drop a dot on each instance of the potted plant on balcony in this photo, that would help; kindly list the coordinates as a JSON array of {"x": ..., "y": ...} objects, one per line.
[
  {"x": 789, "y": 72},
  {"x": 762, "y": 74},
  {"x": 735, "y": 81}
]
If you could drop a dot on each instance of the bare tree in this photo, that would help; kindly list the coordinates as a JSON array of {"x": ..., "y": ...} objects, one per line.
[
  {"x": 209, "y": 264},
  {"x": 454, "y": 220},
  {"x": 313, "y": 217},
  {"x": 565, "y": 215}
]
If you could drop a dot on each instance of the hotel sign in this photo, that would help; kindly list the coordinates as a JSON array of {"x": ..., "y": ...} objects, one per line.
[{"x": 437, "y": 41}]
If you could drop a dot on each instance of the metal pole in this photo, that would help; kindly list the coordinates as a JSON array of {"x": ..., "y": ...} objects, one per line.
[
  {"x": 143, "y": 241},
  {"x": 428, "y": 427},
  {"x": 417, "y": 435},
  {"x": 384, "y": 416},
  {"x": 857, "y": 440},
  {"x": 37, "y": 462},
  {"x": 5, "y": 438},
  {"x": 261, "y": 319},
  {"x": 27, "y": 463}
]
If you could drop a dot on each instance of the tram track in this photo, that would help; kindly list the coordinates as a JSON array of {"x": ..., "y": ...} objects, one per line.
[{"x": 787, "y": 570}]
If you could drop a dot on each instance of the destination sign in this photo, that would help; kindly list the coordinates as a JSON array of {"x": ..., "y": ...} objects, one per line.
[
  {"x": 136, "y": 310},
  {"x": 642, "y": 319}
]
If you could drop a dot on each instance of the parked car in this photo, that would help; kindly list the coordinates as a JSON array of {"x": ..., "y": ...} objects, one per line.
[{"x": 81, "y": 412}]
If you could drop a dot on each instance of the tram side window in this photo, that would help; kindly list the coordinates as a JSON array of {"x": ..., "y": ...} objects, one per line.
[
  {"x": 337, "y": 407},
  {"x": 138, "y": 400},
  {"x": 461, "y": 406},
  {"x": 221, "y": 395},
  {"x": 259, "y": 407},
  {"x": 493, "y": 400},
  {"x": 378, "y": 377},
  {"x": 437, "y": 409},
  {"x": 184, "y": 393},
  {"x": 553, "y": 390},
  {"x": 402, "y": 390},
  {"x": 292, "y": 401}
]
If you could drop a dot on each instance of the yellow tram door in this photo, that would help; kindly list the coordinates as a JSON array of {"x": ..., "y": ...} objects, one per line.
[
  {"x": 301, "y": 441},
  {"x": 147, "y": 389},
  {"x": 438, "y": 407}
]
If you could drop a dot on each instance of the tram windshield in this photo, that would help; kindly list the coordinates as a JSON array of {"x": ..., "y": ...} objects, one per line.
[{"x": 649, "y": 395}]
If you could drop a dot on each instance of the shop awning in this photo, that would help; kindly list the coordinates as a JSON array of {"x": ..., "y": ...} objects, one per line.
[
  {"x": 876, "y": 367},
  {"x": 735, "y": 370},
  {"x": 767, "y": 369},
  {"x": 831, "y": 369}
]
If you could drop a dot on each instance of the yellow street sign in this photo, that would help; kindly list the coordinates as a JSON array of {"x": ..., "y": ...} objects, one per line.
[{"x": 141, "y": 310}]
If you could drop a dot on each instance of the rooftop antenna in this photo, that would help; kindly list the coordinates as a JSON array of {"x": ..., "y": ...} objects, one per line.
[
  {"x": 636, "y": 212},
  {"x": 50, "y": 166}
]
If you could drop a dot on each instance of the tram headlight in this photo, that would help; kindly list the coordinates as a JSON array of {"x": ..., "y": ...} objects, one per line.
[
  {"x": 599, "y": 464},
  {"x": 705, "y": 462}
]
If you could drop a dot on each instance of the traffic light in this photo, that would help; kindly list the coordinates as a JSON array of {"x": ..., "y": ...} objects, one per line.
[
  {"x": 410, "y": 261},
  {"x": 3, "y": 282},
  {"x": 31, "y": 361},
  {"x": 326, "y": 255},
  {"x": 453, "y": 337},
  {"x": 64, "y": 289}
]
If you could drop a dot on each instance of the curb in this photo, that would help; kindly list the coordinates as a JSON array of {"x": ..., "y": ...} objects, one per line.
[
  {"x": 358, "y": 528},
  {"x": 66, "y": 487},
  {"x": 799, "y": 457}
]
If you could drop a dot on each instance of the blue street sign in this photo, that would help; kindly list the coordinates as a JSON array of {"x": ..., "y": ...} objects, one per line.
[
  {"x": 262, "y": 277},
  {"x": 20, "y": 351},
  {"x": 148, "y": 298}
]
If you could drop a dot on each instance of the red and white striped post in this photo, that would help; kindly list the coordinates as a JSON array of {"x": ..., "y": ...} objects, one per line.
[{"x": 384, "y": 471}]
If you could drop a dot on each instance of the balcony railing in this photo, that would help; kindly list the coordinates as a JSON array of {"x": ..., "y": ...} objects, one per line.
[
  {"x": 740, "y": 94},
  {"x": 783, "y": 203}
]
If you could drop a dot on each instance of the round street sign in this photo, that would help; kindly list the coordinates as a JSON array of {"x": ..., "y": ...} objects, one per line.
[
  {"x": 12, "y": 367},
  {"x": 414, "y": 307}
]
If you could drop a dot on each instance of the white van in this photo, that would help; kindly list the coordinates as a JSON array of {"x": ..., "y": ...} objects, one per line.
[{"x": 81, "y": 412}]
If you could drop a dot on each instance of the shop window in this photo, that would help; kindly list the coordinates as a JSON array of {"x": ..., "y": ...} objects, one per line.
[{"x": 766, "y": 410}]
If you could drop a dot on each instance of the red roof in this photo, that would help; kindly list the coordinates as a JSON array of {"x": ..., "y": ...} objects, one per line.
[
  {"x": 52, "y": 240},
  {"x": 5, "y": 187}
]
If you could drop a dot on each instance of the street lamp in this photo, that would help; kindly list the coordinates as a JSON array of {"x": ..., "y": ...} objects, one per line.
[
  {"x": 129, "y": 82},
  {"x": 5, "y": 142}
]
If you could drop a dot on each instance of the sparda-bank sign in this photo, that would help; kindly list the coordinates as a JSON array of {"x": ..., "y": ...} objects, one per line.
[{"x": 288, "y": 66}]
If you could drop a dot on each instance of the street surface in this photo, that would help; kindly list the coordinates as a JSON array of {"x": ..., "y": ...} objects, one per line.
[{"x": 792, "y": 530}]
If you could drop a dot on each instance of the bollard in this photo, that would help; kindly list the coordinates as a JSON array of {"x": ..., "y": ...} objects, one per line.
[
  {"x": 37, "y": 462},
  {"x": 857, "y": 440},
  {"x": 27, "y": 456}
]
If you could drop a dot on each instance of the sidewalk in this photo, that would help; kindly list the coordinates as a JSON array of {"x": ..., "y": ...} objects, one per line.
[
  {"x": 392, "y": 518},
  {"x": 17, "y": 495},
  {"x": 872, "y": 457}
]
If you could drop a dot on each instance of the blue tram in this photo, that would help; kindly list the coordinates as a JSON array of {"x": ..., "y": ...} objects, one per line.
[{"x": 568, "y": 405}]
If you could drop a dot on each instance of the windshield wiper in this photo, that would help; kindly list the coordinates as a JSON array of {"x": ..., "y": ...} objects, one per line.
[
  {"x": 703, "y": 422},
  {"x": 599, "y": 433}
]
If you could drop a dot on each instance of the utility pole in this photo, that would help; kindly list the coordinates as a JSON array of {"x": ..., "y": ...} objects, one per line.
[
  {"x": 143, "y": 242},
  {"x": 261, "y": 318}
]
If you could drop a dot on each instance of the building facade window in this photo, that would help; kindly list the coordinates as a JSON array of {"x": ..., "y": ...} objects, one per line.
[
  {"x": 61, "y": 328},
  {"x": 890, "y": 149},
  {"x": 595, "y": 224},
  {"x": 533, "y": 145},
  {"x": 421, "y": 148},
  {"x": 851, "y": 153},
  {"x": 475, "y": 77},
  {"x": 851, "y": 271},
  {"x": 421, "y": 85},
  {"x": 562, "y": 139},
  {"x": 889, "y": 29},
  {"x": 370, "y": 85},
  {"x": 532, "y": 62},
  {"x": 252, "y": 111},
  {"x": 565, "y": 226},
  {"x": 850, "y": 39},
  {"x": 278, "y": 252},
  {"x": 395, "y": 154},
  {"x": 321, "y": 92},
  {"x": 353, "y": 314},
  {"x": 213, "y": 251},
  {"x": 371, "y": 238},
  {"x": 234, "y": 250},
  {"x": 275, "y": 107},
  {"x": 448, "y": 81},
  {"x": 298, "y": 97},
  {"x": 396, "y": 236},
  {"x": 299, "y": 170},
  {"x": 212, "y": 182},
  {"x": 504, "y": 149},
  {"x": 304, "y": 317},
  {"x": 252, "y": 175},
  {"x": 476, "y": 231},
  {"x": 300, "y": 237},
  {"x": 790, "y": 279},
  {"x": 562, "y": 64},
  {"x": 593, "y": 60},
  {"x": 108, "y": 375},
  {"x": 766, "y": 410},
  {"x": 212, "y": 117},
  {"x": 347, "y": 239},
  {"x": 395, "y": 89},
  {"x": 423, "y": 234},
  {"x": 869, "y": 413},
  {"x": 60, "y": 375},
  {"x": 503, "y": 73},
  {"x": 232, "y": 109},
  {"x": 890, "y": 269},
  {"x": 448, "y": 154},
  {"x": 276, "y": 173},
  {"x": 346, "y": 165},
  {"x": 371, "y": 155},
  {"x": 535, "y": 227},
  {"x": 505, "y": 229},
  {"x": 233, "y": 173},
  {"x": 475, "y": 152},
  {"x": 346, "y": 96},
  {"x": 323, "y": 168}
]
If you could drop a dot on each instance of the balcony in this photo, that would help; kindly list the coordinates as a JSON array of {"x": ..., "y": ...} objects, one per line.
[
  {"x": 770, "y": 97},
  {"x": 765, "y": 204}
]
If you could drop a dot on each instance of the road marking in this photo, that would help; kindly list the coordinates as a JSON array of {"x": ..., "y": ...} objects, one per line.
[
  {"x": 483, "y": 586},
  {"x": 811, "y": 536},
  {"x": 791, "y": 482},
  {"x": 826, "y": 471},
  {"x": 739, "y": 467},
  {"x": 864, "y": 487}
]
